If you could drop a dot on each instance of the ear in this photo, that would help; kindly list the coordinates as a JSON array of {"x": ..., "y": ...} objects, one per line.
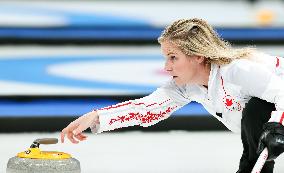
[{"x": 199, "y": 59}]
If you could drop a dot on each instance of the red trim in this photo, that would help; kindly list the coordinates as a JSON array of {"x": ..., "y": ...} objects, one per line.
[
  {"x": 164, "y": 102},
  {"x": 151, "y": 104},
  {"x": 278, "y": 62},
  {"x": 115, "y": 106},
  {"x": 282, "y": 118},
  {"x": 128, "y": 103},
  {"x": 222, "y": 80}
]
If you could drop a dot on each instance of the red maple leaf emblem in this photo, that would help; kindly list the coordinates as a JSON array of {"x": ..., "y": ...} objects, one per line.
[{"x": 229, "y": 102}]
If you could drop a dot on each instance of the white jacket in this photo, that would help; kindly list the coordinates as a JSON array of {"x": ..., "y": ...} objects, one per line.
[{"x": 229, "y": 89}]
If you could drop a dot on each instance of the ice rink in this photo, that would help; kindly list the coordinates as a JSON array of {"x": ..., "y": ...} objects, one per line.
[
  {"x": 61, "y": 59},
  {"x": 123, "y": 152},
  {"x": 143, "y": 152}
]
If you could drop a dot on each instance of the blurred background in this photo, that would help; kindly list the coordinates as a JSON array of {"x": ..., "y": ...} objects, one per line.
[{"x": 61, "y": 59}]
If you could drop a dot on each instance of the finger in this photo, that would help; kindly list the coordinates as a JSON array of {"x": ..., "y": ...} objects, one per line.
[
  {"x": 68, "y": 130},
  {"x": 70, "y": 136},
  {"x": 62, "y": 135},
  {"x": 81, "y": 137},
  {"x": 79, "y": 129}
]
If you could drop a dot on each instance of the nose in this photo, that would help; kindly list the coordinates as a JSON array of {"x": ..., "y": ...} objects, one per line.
[{"x": 168, "y": 67}]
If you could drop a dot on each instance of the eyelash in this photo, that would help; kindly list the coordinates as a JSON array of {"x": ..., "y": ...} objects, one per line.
[{"x": 173, "y": 58}]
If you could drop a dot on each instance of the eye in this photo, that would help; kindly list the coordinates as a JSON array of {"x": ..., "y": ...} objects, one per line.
[{"x": 172, "y": 58}]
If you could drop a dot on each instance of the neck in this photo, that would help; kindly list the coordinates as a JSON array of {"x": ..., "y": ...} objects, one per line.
[{"x": 204, "y": 75}]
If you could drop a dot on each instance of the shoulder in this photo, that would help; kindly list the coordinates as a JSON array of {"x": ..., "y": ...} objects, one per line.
[
  {"x": 236, "y": 66},
  {"x": 241, "y": 69},
  {"x": 256, "y": 58}
]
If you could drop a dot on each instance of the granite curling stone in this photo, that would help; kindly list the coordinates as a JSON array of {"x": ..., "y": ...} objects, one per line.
[{"x": 34, "y": 160}]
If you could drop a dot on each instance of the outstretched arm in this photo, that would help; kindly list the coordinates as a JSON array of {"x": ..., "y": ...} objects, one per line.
[{"x": 145, "y": 111}]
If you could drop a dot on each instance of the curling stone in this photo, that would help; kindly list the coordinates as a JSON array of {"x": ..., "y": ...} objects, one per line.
[{"x": 34, "y": 160}]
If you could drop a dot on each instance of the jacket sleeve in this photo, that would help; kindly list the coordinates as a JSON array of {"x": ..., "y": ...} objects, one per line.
[
  {"x": 258, "y": 81},
  {"x": 145, "y": 111}
]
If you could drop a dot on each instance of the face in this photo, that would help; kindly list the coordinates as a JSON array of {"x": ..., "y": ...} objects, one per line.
[{"x": 183, "y": 68}]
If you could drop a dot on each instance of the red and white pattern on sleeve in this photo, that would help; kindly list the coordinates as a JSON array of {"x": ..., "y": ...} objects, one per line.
[
  {"x": 277, "y": 116},
  {"x": 149, "y": 117},
  {"x": 143, "y": 112}
]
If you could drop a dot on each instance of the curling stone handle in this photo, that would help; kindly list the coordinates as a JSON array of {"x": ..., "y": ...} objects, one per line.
[{"x": 46, "y": 141}]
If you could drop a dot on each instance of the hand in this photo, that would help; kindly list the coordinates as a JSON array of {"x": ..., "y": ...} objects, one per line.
[
  {"x": 273, "y": 139},
  {"x": 74, "y": 129}
]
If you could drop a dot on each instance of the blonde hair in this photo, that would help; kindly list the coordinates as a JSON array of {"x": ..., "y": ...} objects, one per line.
[{"x": 196, "y": 37}]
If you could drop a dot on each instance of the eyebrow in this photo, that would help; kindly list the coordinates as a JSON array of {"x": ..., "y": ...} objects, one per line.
[{"x": 170, "y": 53}]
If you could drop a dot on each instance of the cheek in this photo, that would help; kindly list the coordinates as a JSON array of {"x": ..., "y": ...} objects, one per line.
[{"x": 185, "y": 68}]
